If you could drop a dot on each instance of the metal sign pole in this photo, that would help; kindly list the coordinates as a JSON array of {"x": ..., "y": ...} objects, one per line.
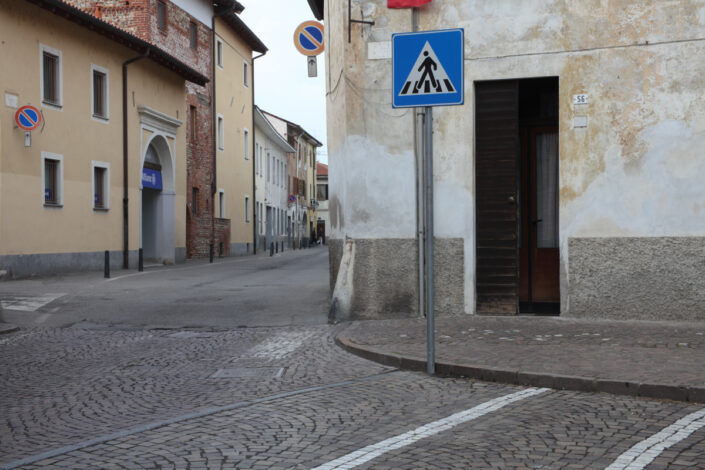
[{"x": 428, "y": 252}]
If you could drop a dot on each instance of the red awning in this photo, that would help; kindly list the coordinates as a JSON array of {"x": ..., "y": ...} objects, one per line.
[{"x": 406, "y": 3}]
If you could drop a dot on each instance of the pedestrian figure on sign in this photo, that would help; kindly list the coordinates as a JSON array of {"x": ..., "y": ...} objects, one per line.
[{"x": 427, "y": 65}]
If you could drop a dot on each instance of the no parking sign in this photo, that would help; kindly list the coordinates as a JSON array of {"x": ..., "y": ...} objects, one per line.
[
  {"x": 28, "y": 118},
  {"x": 308, "y": 38}
]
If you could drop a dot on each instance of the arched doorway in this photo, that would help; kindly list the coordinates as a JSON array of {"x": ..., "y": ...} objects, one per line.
[{"x": 157, "y": 237}]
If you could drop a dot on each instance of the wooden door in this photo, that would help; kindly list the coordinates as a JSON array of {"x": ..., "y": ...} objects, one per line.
[
  {"x": 496, "y": 172},
  {"x": 539, "y": 257}
]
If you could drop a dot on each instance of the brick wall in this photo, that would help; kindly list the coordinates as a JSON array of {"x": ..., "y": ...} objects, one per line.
[
  {"x": 139, "y": 17},
  {"x": 222, "y": 236},
  {"x": 200, "y": 171}
]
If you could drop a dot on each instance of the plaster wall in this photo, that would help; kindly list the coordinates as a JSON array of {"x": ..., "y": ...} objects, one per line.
[
  {"x": 27, "y": 226},
  {"x": 634, "y": 171},
  {"x": 234, "y": 103}
]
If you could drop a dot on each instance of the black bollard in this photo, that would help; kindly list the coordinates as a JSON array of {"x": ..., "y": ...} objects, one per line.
[
  {"x": 211, "y": 252},
  {"x": 282, "y": 247},
  {"x": 107, "y": 265},
  {"x": 140, "y": 260},
  {"x": 271, "y": 249},
  {"x": 276, "y": 249}
]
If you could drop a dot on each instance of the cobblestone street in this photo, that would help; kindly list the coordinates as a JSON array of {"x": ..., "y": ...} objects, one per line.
[
  {"x": 93, "y": 396},
  {"x": 188, "y": 399}
]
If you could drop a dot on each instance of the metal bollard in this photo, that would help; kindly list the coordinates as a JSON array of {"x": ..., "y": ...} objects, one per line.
[
  {"x": 271, "y": 249},
  {"x": 140, "y": 261},
  {"x": 276, "y": 249},
  {"x": 282, "y": 247},
  {"x": 211, "y": 252},
  {"x": 106, "y": 273}
]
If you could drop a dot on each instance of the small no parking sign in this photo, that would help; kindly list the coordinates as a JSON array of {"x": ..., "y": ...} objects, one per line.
[{"x": 28, "y": 118}]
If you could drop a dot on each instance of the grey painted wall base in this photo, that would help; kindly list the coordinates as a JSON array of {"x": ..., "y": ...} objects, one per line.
[
  {"x": 659, "y": 278},
  {"x": 47, "y": 264},
  {"x": 385, "y": 279},
  {"x": 241, "y": 249},
  {"x": 180, "y": 253}
]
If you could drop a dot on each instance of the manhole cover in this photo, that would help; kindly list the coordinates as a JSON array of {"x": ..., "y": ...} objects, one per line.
[{"x": 249, "y": 373}]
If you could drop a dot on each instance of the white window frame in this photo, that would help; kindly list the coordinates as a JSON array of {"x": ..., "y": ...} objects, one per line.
[
  {"x": 106, "y": 185},
  {"x": 247, "y": 208},
  {"x": 106, "y": 95},
  {"x": 221, "y": 203},
  {"x": 59, "y": 180},
  {"x": 256, "y": 160},
  {"x": 246, "y": 139},
  {"x": 246, "y": 77},
  {"x": 59, "y": 80},
  {"x": 219, "y": 53},
  {"x": 221, "y": 132}
]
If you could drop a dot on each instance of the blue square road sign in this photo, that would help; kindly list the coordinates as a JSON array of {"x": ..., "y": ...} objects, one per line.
[{"x": 427, "y": 68}]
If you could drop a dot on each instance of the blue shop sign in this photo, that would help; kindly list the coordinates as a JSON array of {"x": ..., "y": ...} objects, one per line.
[{"x": 151, "y": 179}]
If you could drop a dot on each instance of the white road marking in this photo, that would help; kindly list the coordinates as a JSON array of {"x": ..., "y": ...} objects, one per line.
[
  {"x": 644, "y": 452},
  {"x": 28, "y": 304},
  {"x": 370, "y": 452},
  {"x": 280, "y": 346}
]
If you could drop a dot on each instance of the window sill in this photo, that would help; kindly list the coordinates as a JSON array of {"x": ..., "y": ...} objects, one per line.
[
  {"x": 53, "y": 205},
  {"x": 101, "y": 209},
  {"x": 100, "y": 118},
  {"x": 52, "y": 105}
]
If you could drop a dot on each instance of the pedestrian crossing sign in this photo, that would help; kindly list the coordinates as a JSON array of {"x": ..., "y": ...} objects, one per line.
[{"x": 427, "y": 68}]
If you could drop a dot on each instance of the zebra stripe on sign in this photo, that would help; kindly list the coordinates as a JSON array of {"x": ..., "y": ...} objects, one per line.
[{"x": 427, "y": 77}]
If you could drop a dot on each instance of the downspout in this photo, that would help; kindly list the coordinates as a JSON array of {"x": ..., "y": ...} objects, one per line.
[
  {"x": 125, "y": 197},
  {"x": 254, "y": 165}
]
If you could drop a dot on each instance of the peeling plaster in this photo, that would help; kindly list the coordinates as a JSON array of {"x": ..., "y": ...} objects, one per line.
[{"x": 635, "y": 170}]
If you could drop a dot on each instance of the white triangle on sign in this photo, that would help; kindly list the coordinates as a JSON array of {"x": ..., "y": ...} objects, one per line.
[{"x": 427, "y": 77}]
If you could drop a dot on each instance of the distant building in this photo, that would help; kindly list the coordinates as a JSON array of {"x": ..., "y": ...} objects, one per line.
[
  {"x": 271, "y": 162},
  {"x": 301, "y": 179},
  {"x": 90, "y": 181},
  {"x": 322, "y": 198}
]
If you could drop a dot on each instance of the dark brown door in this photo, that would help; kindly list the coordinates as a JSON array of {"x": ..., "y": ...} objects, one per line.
[
  {"x": 539, "y": 258},
  {"x": 321, "y": 231},
  {"x": 496, "y": 172}
]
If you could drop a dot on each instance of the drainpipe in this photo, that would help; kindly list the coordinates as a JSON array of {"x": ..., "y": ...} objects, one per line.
[
  {"x": 125, "y": 197},
  {"x": 254, "y": 156}
]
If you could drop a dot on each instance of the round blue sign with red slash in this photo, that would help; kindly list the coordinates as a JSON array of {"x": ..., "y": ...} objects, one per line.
[
  {"x": 308, "y": 38},
  {"x": 28, "y": 118},
  {"x": 292, "y": 198}
]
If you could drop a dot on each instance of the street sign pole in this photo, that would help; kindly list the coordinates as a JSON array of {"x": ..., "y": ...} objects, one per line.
[
  {"x": 427, "y": 71},
  {"x": 428, "y": 252}
]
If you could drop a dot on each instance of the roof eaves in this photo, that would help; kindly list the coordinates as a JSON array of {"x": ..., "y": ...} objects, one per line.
[
  {"x": 272, "y": 132},
  {"x": 317, "y": 8},
  {"x": 300, "y": 129},
  {"x": 71, "y": 13},
  {"x": 239, "y": 26}
]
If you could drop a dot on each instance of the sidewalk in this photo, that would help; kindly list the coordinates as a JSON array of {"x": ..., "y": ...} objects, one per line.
[{"x": 649, "y": 359}]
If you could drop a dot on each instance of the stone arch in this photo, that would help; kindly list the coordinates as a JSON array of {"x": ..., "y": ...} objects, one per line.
[{"x": 157, "y": 222}]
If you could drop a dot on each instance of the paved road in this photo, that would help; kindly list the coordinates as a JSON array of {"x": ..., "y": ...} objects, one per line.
[
  {"x": 290, "y": 288},
  {"x": 286, "y": 397}
]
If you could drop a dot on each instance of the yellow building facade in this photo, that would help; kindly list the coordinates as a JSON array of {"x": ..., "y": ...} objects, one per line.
[
  {"x": 235, "y": 198},
  {"x": 65, "y": 199}
]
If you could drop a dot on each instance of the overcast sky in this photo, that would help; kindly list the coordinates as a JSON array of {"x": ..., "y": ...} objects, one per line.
[{"x": 282, "y": 85}]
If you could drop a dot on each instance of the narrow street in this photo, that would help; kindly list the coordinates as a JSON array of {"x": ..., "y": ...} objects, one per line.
[{"x": 232, "y": 365}]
